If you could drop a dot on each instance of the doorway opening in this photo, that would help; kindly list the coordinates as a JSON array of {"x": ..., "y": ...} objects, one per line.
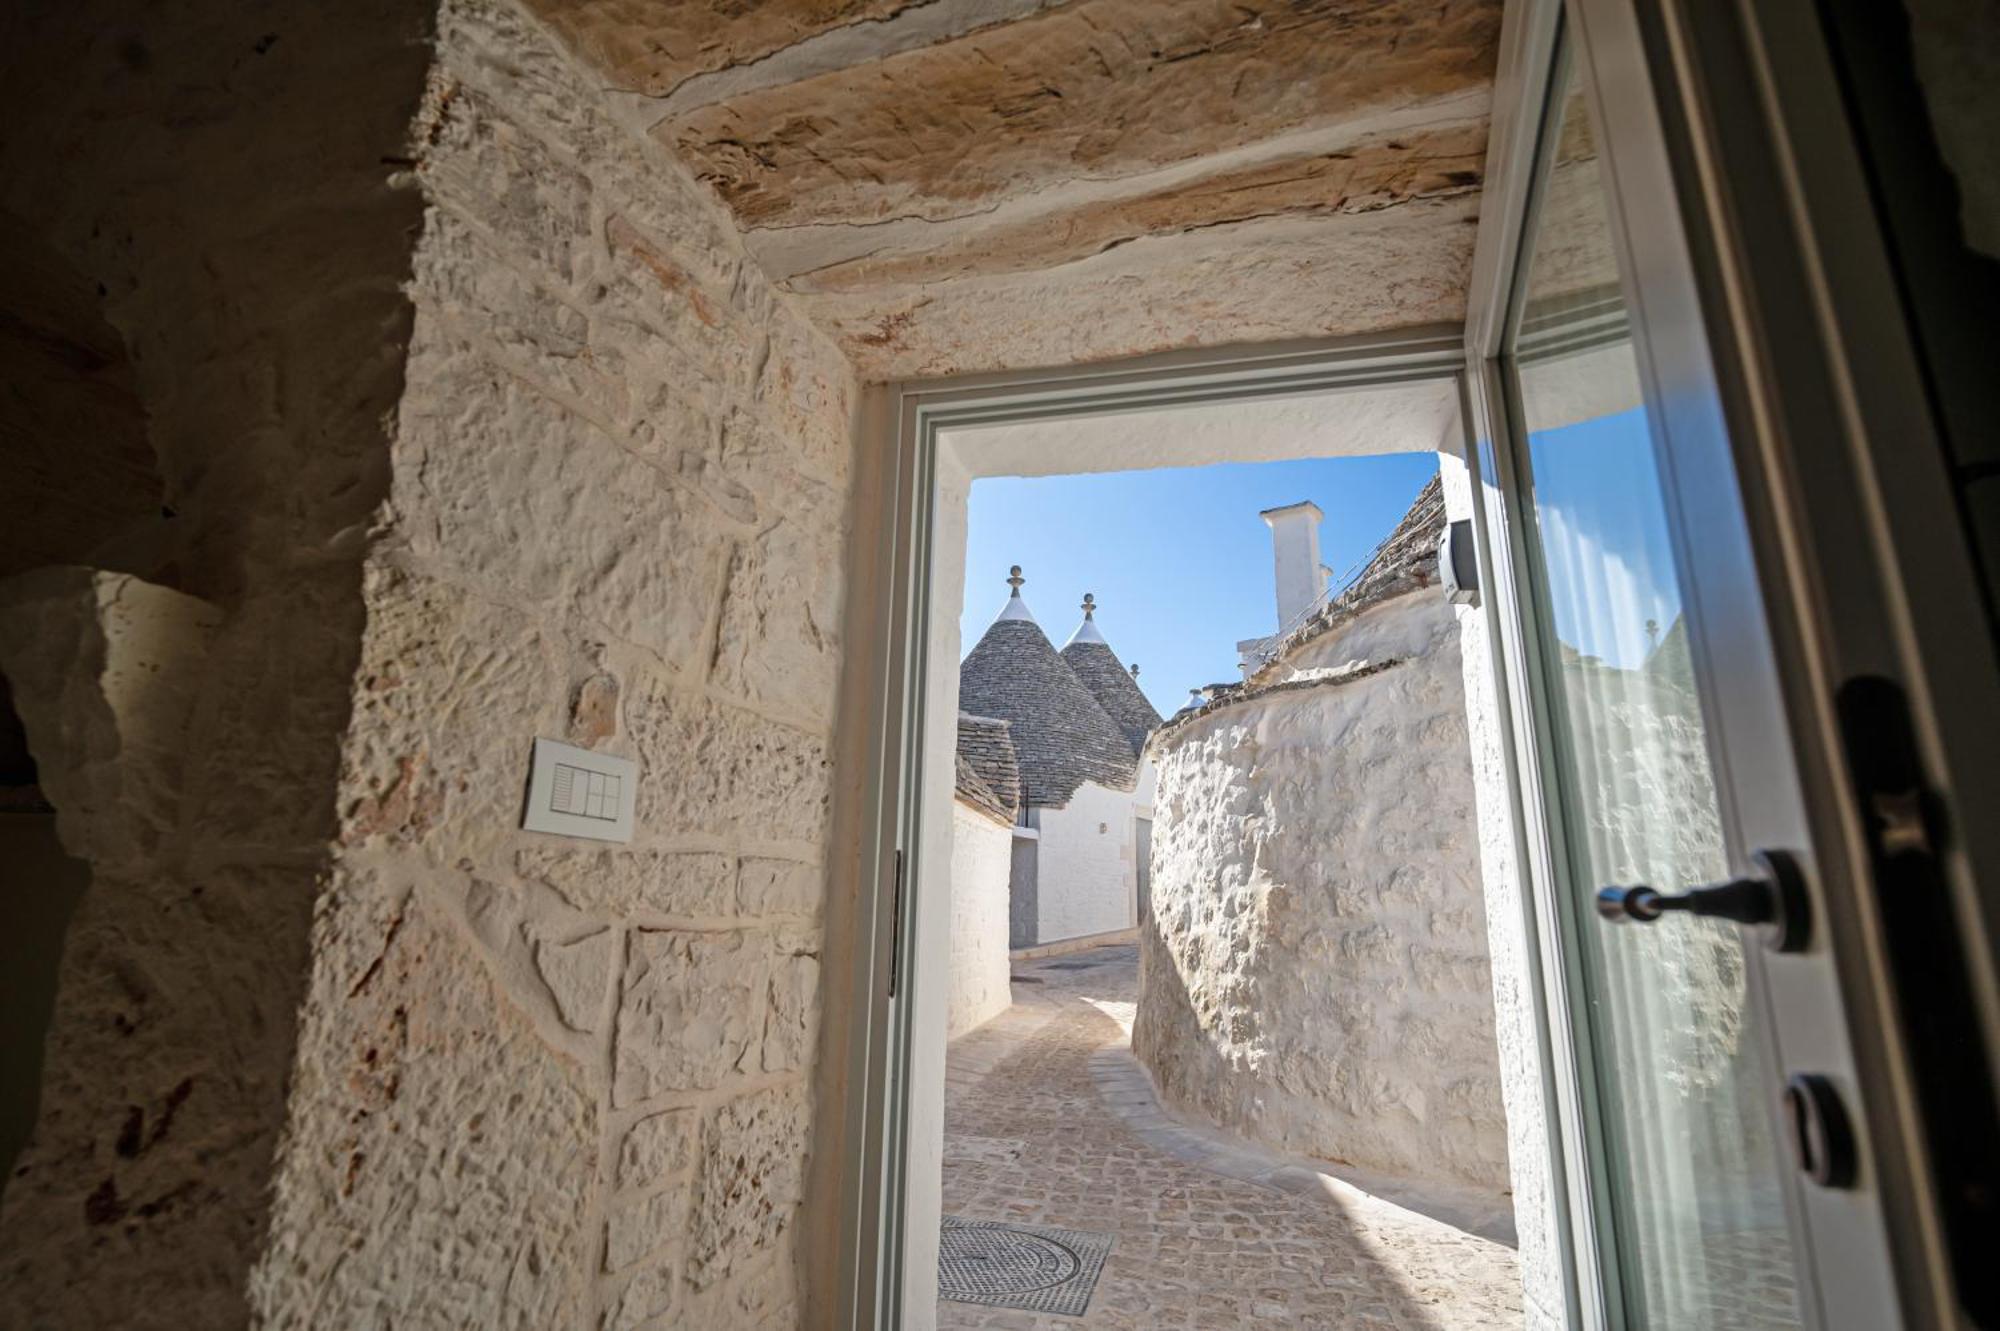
[
  {"x": 1275, "y": 1094},
  {"x": 1248, "y": 1096}
]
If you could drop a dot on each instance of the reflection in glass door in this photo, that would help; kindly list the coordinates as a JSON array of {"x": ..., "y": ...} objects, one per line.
[{"x": 1685, "y": 1084}]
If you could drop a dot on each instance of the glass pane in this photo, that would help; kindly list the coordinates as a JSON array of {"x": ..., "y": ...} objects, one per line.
[{"x": 1702, "y": 1237}]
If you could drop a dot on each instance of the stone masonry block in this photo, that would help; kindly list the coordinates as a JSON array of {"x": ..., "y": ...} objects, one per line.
[
  {"x": 577, "y": 973},
  {"x": 453, "y": 1157},
  {"x": 687, "y": 885},
  {"x": 791, "y": 1018},
  {"x": 523, "y": 494},
  {"x": 692, "y": 1012},
  {"x": 647, "y": 274},
  {"x": 779, "y": 887},
  {"x": 807, "y": 393},
  {"x": 448, "y": 691},
  {"x": 656, "y": 1148},
  {"x": 778, "y": 643},
  {"x": 647, "y": 1296},
  {"x": 537, "y": 204},
  {"x": 493, "y": 45},
  {"x": 752, "y": 1173},
  {"x": 526, "y": 323},
  {"x": 708, "y": 767},
  {"x": 635, "y": 1227}
]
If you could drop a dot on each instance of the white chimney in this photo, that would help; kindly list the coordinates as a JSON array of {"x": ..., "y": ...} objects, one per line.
[{"x": 1295, "y": 558}]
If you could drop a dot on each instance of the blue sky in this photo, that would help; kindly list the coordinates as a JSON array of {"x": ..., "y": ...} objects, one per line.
[
  {"x": 1181, "y": 563},
  {"x": 1178, "y": 559},
  {"x": 1604, "y": 533}
]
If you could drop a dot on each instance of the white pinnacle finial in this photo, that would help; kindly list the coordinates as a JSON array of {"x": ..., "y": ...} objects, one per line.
[
  {"x": 1016, "y": 608},
  {"x": 1087, "y": 630}
]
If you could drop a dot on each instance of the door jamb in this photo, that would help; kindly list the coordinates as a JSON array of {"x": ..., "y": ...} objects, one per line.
[
  {"x": 1523, "y": 83},
  {"x": 891, "y": 638}
]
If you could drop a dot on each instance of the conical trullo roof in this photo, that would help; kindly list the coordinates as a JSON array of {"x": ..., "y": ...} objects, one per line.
[
  {"x": 986, "y": 749},
  {"x": 1062, "y": 736},
  {"x": 1091, "y": 657}
]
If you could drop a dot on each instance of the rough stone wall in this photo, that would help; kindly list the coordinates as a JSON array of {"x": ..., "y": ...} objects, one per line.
[
  {"x": 71, "y": 411},
  {"x": 212, "y": 176},
  {"x": 1315, "y": 971},
  {"x": 543, "y": 1082},
  {"x": 981, "y": 851}
]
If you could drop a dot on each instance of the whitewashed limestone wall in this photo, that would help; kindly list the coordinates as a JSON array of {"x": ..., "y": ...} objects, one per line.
[
  {"x": 980, "y": 851},
  {"x": 543, "y": 1082},
  {"x": 1087, "y": 875},
  {"x": 1315, "y": 975}
]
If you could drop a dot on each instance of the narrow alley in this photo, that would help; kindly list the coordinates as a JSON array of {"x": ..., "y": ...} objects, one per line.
[{"x": 1050, "y": 1122}]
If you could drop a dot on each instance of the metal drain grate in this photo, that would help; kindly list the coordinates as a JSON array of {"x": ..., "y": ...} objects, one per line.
[{"x": 1034, "y": 1267}]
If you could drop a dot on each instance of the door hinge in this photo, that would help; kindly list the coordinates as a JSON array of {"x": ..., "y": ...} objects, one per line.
[{"x": 896, "y": 925}]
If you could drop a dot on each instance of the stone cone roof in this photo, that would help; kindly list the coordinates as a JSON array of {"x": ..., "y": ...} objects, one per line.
[
  {"x": 1114, "y": 688},
  {"x": 988, "y": 774},
  {"x": 970, "y": 790},
  {"x": 1407, "y": 558},
  {"x": 1062, "y": 736}
]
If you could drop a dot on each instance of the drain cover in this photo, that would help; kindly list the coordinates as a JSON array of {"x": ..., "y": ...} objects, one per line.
[{"x": 1036, "y": 1267}]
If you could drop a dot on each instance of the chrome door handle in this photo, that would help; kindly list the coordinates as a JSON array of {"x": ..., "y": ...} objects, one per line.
[{"x": 1774, "y": 899}]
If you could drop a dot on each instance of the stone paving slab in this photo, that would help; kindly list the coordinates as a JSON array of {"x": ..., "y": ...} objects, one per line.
[
  {"x": 1124, "y": 1085},
  {"x": 1049, "y": 1121}
]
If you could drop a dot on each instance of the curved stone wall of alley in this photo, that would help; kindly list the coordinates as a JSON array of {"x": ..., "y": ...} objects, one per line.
[{"x": 1315, "y": 973}]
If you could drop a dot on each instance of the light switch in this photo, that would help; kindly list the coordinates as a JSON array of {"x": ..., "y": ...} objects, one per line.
[{"x": 575, "y": 792}]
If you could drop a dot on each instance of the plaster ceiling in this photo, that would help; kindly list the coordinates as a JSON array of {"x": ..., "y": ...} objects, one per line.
[{"x": 954, "y": 185}]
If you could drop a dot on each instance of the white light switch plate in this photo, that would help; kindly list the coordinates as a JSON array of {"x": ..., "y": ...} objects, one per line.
[{"x": 574, "y": 792}]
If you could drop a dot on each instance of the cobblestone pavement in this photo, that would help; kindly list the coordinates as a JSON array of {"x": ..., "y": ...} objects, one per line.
[{"x": 1044, "y": 1124}]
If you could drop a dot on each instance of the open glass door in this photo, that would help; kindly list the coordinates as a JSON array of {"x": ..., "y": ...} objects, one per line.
[{"x": 1728, "y": 1179}]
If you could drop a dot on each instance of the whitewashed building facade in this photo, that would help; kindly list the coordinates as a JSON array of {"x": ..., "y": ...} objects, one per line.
[
  {"x": 986, "y": 796},
  {"x": 1078, "y": 723}
]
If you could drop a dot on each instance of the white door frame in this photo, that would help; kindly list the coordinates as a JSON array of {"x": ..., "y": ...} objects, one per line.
[{"x": 885, "y": 1270}]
